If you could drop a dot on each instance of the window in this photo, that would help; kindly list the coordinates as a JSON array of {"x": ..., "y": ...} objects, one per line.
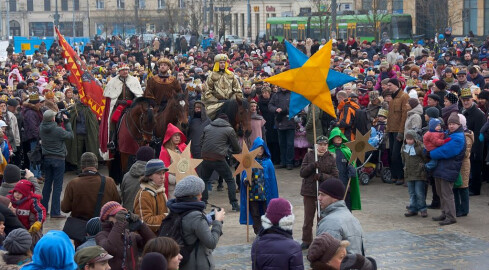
[
  {"x": 77, "y": 4},
  {"x": 64, "y": 5},
  {"x": 161, "y": 4},
  {"x": 486, "y": 18},
  {"x": 181, "y": 3},
  {"x": 142, "y": 4},
  {"x": 30, "y": 5},
  {"x": 120, "y": 3},
  {"x": 100, "y": 4},
  {"x": 347, "y": 7},
  {"x": 41, "y": 29},
  {"x": 374, "y": 5},
  {"x": 470, "y": 16},
  {"x": 397, "y": 5},
  {"x": 243, "y": 33},
  {"x": 47, "y": 5},
  {"x": 12, "y": 5}
]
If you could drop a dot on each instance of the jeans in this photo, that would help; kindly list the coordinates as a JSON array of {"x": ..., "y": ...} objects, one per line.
[
  {"x": 286, "y": 142},
  {"x": 35, "y": 169},
  {"x": 395, "y": 161},
  {"x": 461, "y": 196},
  {"x": 222, "y": 168},
  {"x": 417, "y": 196},
  {"x": 54, "y": 170}
]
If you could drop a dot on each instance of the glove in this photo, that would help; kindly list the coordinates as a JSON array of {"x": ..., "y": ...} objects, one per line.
[
  {"x": 447, "y": 140},
  {"x": 318, "y": 177},
  {"x": 121, "y": 216},
  {"x": 35, "y": 227},
  {"x": 481, "y": 137},
  {"x": 316, "y": 164},
  {"x": 133, "y": 217}
]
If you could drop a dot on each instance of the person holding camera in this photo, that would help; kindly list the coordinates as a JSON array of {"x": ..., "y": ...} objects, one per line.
[
  {"x": 123, "y": 235},
  {"x": 197, "y": 228},
  {"x": 53, "y": 147}
]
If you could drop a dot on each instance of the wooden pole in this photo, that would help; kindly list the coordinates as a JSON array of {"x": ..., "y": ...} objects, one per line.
[
  {"x": 315, "y": 157},
  {"x": 247, "y": 211},
  {"x": 347, "y": 187}
]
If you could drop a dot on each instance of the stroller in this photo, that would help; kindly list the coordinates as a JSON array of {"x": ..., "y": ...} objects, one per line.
[{"x": 379, "y": 166}]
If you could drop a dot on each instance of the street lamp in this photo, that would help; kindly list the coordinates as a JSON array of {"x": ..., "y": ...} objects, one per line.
[{"x": 56, "y": 15}]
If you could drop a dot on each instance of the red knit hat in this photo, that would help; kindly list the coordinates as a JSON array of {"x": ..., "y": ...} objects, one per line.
[
  {"x": 277, "y": 209},
  {"x": 110, "y": 209},
  {"x": 24, "y": 187}
]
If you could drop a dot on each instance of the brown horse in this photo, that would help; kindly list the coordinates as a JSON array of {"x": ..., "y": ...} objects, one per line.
[{"x": 239, "y": 114}]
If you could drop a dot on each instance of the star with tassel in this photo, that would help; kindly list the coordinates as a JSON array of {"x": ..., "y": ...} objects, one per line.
[
  {"x": 247, "y": 161},
  {"x": 359, "y": 147},
  {"x": 183, "y": 164}
]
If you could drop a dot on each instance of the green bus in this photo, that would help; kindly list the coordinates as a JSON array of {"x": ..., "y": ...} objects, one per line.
[{"x": 398, "y": 27}]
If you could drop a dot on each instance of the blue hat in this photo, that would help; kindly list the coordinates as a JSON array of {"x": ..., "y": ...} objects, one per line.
[
  {"x": 434, "y": 122},
  {"x": 154, "y": 166}
]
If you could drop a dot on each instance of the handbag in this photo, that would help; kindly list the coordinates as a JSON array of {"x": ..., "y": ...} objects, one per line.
[{"x": 74, "y": 227}]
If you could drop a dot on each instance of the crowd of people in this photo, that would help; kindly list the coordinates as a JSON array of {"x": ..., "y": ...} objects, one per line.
[{"x": 426, "y": 103}]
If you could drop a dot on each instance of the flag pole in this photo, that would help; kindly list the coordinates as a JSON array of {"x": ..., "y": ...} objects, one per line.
[
  {"x": 247, "y": 211},
  {"x": 347, "y": 187},
  {"x": 315, "y": 157}
]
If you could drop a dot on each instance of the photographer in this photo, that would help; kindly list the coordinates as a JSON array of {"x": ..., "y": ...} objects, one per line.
[
  {"x": 197, "y": 228},
  {"x": 53, "y": 146},
  {"x": 120, "y": 242}
]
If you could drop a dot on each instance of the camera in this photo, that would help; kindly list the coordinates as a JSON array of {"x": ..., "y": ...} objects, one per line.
[
  {"x": 59, "y": 116},
  {"x": 22, "y": 174},
  {"x": 212, "y": 214},
  {"x": 133, "y": 225}
]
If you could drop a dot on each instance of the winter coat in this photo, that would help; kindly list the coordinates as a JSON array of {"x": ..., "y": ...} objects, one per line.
[
  {"x": 216, "y": 140},
  {"x": 338, "y": 221},
  {"x": 170, "y": 181},
  {"x": 257, "y": 127},
  {"x": 363, "y": 99},
  {"x": 195, "y": 227},
  {"x": 116, "y": 240},
  {"x": 281, "y": 100},
  {"x": 432, "y": 140},
  {"x": 450, "y": 156},
  {"x": 475, "y": 120},
  {"x": 32, "y": 119},
  {"x": 413, "y": 120},
  {"x": 27, "y": 206},
  {"x": 53, "y": 138},
  {"x": 327, "y": 169},
  {"x": 271, "y": 188},
  {"x": 398, "y": 108},
  {"x": 150, "y": 205},
  {"x": 130, "y": 184},
  {"x": 309, "y": 124},
  {"x": 6, "y": 187},
  {"x": 275, "y": 248},
  {"x": 465, "y": 170},
  {"x": 414, "y": 165},
  {"x": 80, "y": 197},
  {"x": 13, "y": 261},
  {"x": 269, "y": 116},
  {"x": 195, "y": 129}
]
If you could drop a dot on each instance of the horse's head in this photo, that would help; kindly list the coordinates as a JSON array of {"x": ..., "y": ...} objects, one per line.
[
  {"x": 181, "y": 110},
  {"x": 143, "y": 116},
  {"x": 243, "y": 116}
]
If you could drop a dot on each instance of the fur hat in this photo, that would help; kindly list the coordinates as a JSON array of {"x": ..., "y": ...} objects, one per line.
[
  {"x": 279, "y": 213},
  {"x": 414, "y": 68},
  {"x": 323, "y": 248},
  {"x": 454, "y": 119},
  {"x": 164, "y": 60},
  {"x": 333, "y": 187}
]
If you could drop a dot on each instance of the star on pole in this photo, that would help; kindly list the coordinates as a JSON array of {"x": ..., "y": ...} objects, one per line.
[
  {"x": 183, "y": 164},
  {"x": 247, "y": 161},
  {"x": 360, "y": 146}
]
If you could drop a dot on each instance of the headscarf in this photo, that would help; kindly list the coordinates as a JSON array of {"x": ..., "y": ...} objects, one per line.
[{"x": 53, "y": 252}]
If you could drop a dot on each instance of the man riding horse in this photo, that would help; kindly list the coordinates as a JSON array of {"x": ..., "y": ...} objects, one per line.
[
  {"x": 164, "y": 86},
  {"x": 119, "y": 93},
  {"x": 222, "y": 85}
]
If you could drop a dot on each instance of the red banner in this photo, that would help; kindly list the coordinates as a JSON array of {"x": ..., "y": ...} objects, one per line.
[{"x": 91, "y": 93}]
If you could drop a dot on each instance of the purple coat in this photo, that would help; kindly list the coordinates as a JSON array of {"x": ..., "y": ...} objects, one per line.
[
  {"x": 32, "y": 121},
  {"x": 276, "y": 249}
]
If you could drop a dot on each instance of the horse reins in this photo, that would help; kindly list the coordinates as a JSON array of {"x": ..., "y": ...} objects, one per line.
[{"x": 139, "y": 130}]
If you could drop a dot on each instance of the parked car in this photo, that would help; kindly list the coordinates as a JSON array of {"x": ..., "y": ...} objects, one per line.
[{"x": 233, "y": 39}]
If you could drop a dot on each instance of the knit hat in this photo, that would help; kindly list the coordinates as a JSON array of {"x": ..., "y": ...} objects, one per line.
[
  {"x": 452, "y": 98},
  {"x": 463, "y": 121},
  {"x": 454, "y": 119},
  {"x": 153, "y": 261},
  {"x": 189, "y": 186},
  {"x": 432, "y": 112},
  {"x": 484, "y": 94},
  {"x": 24, "y": 187},
  {"x": 18, "y": 241},
  {"x": 279, "y": 213},
  {"x": 434, "y": 122},
  {"x": 394, "y": 81},
  {"x": 110, "y": 209},
  {"x": 154, "y": 166},
  {"x": 11, "y": 174},
  {"x": 91, "y": 255},
  {"x": 48, "y": 115},
  {"x": 333, "y": 187},
  {"x": 145, "y": 153},
  {"x": 89, "y": 159},
  {"x": 323, "y": 248},
  {"x": 413, "y": 102},
  {"x": 94, "y": 226},
  {"x": 441, "y": 84}
]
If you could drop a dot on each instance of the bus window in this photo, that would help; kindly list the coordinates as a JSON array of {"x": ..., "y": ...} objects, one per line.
[{"x": 401, "y": 27}]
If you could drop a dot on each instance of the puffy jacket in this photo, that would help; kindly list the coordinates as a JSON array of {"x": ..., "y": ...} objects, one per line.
[
  {"x": 276, "y": 249},
  {"x": 130, "y": 184},
  {"x": 216, "y": 140},
  {"x": 338, "y": 221},
  {"x": 281, "y": 100},
  {"x": 450, "y": 156}
]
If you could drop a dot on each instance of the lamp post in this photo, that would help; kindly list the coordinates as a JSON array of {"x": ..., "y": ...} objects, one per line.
[
  {"x": 56, "y": 15},
  {"x": 249, "y": 19},
  {"x": 7, "y": 7}
]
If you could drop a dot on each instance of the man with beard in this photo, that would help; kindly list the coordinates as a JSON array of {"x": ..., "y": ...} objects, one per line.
[{"x": 164, "y": 86}]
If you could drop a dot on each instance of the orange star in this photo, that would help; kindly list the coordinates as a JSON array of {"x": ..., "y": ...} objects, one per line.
[
  {"x": 247, "y": 161},
  {"x": 359, "y": 147},
  {"x": 183, "y": 164}
]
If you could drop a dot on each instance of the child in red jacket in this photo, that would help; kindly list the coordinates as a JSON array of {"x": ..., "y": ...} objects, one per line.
[
  {"x": 26, "y": 202},
  {"x": 432, "y": 139}
]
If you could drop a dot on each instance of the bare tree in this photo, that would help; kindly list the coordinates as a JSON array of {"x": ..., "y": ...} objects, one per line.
[
  {"x": 436, "y": 15},
  {"x": 323, "y": 12},
  {"x": 376, "y": 11},
  {"x": 171, "y": 14},
  {"x": 195, "y": 15}
]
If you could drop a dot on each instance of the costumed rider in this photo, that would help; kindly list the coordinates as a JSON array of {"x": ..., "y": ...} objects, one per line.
[
  {"x": 221, "y": 86},
  {"x": 164, "y": 86},
  {"x": 119, "y": 93}
]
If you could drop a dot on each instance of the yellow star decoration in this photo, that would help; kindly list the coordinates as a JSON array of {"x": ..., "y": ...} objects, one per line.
[
  {"x": 310, "y": 79},
  {"x": 360, "y": 146},
  {"x": 182, "y": 164},
  {"x": 247, "y": 161}
]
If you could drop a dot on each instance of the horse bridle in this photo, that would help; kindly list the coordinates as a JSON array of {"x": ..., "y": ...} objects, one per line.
[{"x": 141, "y": 131}]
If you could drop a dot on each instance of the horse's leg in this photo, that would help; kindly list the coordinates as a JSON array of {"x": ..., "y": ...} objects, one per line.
[{"x": 124, "y": 159}]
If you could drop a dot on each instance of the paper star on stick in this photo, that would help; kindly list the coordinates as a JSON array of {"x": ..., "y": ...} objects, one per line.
[
  {"x": 247, "y": 161},
  {"x": 182, "y": 164},
  {"x": 360, "y": 146}
]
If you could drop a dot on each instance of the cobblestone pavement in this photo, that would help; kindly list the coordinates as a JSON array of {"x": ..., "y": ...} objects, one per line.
[{"x": 396, "y": 242}]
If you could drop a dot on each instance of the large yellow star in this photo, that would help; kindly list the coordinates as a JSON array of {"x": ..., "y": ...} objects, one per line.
[
  {"x": 183, "y": 164},
  {"x": 359, "y": 146},
  {"x": 247, "y": 161},
  {"x": 310, "y": 79}
]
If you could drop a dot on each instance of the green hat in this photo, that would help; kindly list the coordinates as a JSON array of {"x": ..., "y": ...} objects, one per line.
[
  {"x": 322, "y": 139},
  {"x": 90, "y": 255}
]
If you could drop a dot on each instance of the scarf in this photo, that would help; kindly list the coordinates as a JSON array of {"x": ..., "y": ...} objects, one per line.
[{"x": 410, "y": 149}]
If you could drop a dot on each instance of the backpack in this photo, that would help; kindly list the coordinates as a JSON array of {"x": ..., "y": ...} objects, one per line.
[
  {"x": 171, "y": 227},
  {"x": 361, "y": 122}
]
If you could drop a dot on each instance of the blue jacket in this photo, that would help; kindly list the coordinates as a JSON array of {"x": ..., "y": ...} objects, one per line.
[
  {"x": 450, "y": 157},
  {"x": 271, "y": 188}
]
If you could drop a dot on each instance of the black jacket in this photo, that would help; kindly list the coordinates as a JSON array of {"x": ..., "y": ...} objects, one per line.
[
  {"x": 281, "y": 100},
  {"x": 216, "y": 139},
  {"x": 475, "y": 120}
]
